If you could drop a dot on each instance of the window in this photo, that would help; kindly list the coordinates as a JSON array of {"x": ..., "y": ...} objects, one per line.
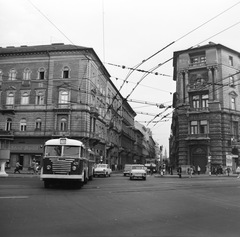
[
  {"x": 10, "y": 98},
  {"x": 23, "y": 125},
  {"x": 233, "y": 103},
  {"x": 199, "y": 101},
  {"x": 203, "y": 127},
  {"x": 39, "y": 98},
  {"x": 231, "y": 81},
  {"x": 63, "y": 124},
  {"x": 38, "y": 124},
  {"x": 204, "y": 101},
  {"x": 235, "y": 129},
  {"x": 230, "y": 60},
  {"x": 1, "y": 75},
  {"x": 25, "y": 98},
  {"x": 65, "y": 72},
  {"x": 197, "y": 60},
  {"x": 64, "y": 97},
  {"x": 41, "y": 74},
  {"x": 12, "y": 75},
  {"x": 92, "y": 124},
  {"x": 194, "y": 127},
  {"x": 196, "y": 101},
  {"x": 8, "y": 125},
  {"x": 27, "y": 74},
  {"x": 199, "y": 127}
]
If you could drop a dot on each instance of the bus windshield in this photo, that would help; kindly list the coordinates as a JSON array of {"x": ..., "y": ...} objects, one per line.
[
  {"x": 53, "y": 150},
  {"x": 72, "y": 151},
  {"x": 56, "y": 150}
]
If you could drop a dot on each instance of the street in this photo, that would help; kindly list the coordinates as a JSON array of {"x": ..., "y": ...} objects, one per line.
[{"x": 116, "y": 206}]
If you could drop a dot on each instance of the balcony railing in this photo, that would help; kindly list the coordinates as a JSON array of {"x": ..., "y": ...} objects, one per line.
[
  {"x": 200, "y": 64},
  {"x": 201, "y": 136}
]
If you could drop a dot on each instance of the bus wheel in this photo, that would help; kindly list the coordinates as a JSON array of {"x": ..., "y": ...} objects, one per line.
[{"x": 46, "y": 184}]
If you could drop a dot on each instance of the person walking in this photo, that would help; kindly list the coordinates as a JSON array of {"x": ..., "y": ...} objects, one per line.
[
  {"x": 198, "y": 170},
  {"x": 17, "y": 169},
  {"x": 190, "y": 171},
  {"x": 238, "y": 172},
  {"x": 179, "y": 171}
]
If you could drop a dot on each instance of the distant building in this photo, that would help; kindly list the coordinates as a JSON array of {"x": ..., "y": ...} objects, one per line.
[{"x": 205, "y": 123}]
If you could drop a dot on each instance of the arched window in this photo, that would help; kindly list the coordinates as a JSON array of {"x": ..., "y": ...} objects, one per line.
[
  {"x": 23, "y": 125},
  {"x": 66, "y": 72},
  {"x": 41, "y": 73},
  {"x": 38, "y": 124},
  {"x": 25, "y": 98},
  {"x": 12, "y": 75},
  {"x": 64, "y": 97},
  {"x": 63, "y": 124},
  {"x": 27, "y": 74},
  {"x": 39, "y": 98},
  {"x": 10, "y": 98},
  {"x": 8, "y": 125}
]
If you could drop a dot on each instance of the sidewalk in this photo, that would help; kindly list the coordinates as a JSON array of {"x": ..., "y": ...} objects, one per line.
[{"x": 23, "y": 173}]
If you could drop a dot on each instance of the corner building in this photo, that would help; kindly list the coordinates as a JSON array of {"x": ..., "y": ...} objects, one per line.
[
  {"x": 205, "y": 123},
  {"x": 49, "y": 91}
]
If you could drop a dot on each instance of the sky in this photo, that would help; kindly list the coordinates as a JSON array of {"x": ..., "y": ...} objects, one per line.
[{"x": 124, "y": 33}]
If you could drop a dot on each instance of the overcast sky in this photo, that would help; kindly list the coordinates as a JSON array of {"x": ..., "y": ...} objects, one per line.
[{"x": 126, "y": 32}]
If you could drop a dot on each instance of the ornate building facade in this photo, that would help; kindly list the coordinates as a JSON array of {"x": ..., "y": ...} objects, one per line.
[
  {"x": 205, "y": 123},
  {"x": 48, "y": 91}
]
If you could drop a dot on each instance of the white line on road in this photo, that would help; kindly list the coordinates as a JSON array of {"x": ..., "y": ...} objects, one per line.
[{"x": 13, "y": 197}]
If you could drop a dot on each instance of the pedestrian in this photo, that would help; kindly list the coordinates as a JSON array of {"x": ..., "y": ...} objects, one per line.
[
  {"x": 17, "y": 169},
  {"x": 228, "y": 170},
  {"x": 198, "y": 170},
  {"x": 179, "y": 171},
  {"x": 238, "y": 172},
  {"x": 190, "y": 172}
]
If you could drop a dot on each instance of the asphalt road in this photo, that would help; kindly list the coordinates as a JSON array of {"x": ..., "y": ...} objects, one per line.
[{"x": 202, "y": 206}]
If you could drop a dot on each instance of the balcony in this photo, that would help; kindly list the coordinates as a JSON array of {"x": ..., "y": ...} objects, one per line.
[
  {"x": 7, "y": 109},
  {"x": 62, "y": 107},
  {"x": 198, "y": 110},
  {"x": 61, "y": 134},
  {"x": 6, "y": 134},
  {"x": 197, "y": 137}
]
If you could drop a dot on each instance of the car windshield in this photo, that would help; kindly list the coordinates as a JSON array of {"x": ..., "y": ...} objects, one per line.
[
  {"x": 102, "y": 166},
  {"x": 137, "y": 167}
]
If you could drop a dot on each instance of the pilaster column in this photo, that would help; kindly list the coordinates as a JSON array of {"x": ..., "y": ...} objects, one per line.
[
  {"x": 185, "y": 85},
  {"x": 216, "y": 80},
  {"x": 211, "y": 84}
]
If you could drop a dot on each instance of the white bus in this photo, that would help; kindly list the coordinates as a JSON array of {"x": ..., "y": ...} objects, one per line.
[{"x": 66, "y": 160}]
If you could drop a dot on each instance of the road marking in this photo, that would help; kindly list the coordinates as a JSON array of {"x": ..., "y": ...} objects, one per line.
[{"x": 13, "y": 197}]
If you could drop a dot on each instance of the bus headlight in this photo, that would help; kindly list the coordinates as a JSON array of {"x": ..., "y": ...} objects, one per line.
[
  {"x": 74, "y": 168},
  {"x": 49, "y": 167}
]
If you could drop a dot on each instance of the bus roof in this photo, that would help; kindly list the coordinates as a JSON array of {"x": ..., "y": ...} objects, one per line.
[{"x": 63, "y": 141}]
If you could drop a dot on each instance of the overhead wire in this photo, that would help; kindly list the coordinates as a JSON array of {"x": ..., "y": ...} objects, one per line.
[{"x": 138, "y": 65}]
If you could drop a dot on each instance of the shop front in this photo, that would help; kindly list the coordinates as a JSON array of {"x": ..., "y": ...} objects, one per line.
[{"x": 24, "y": 154}]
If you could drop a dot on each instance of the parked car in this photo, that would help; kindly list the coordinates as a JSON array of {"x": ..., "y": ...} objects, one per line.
[
  {"x": 151, "y": 167},
  {"x": 102, "y": 169},
  {"x": 127, "y": 169},
  {"x": 138, "y": 172}
]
